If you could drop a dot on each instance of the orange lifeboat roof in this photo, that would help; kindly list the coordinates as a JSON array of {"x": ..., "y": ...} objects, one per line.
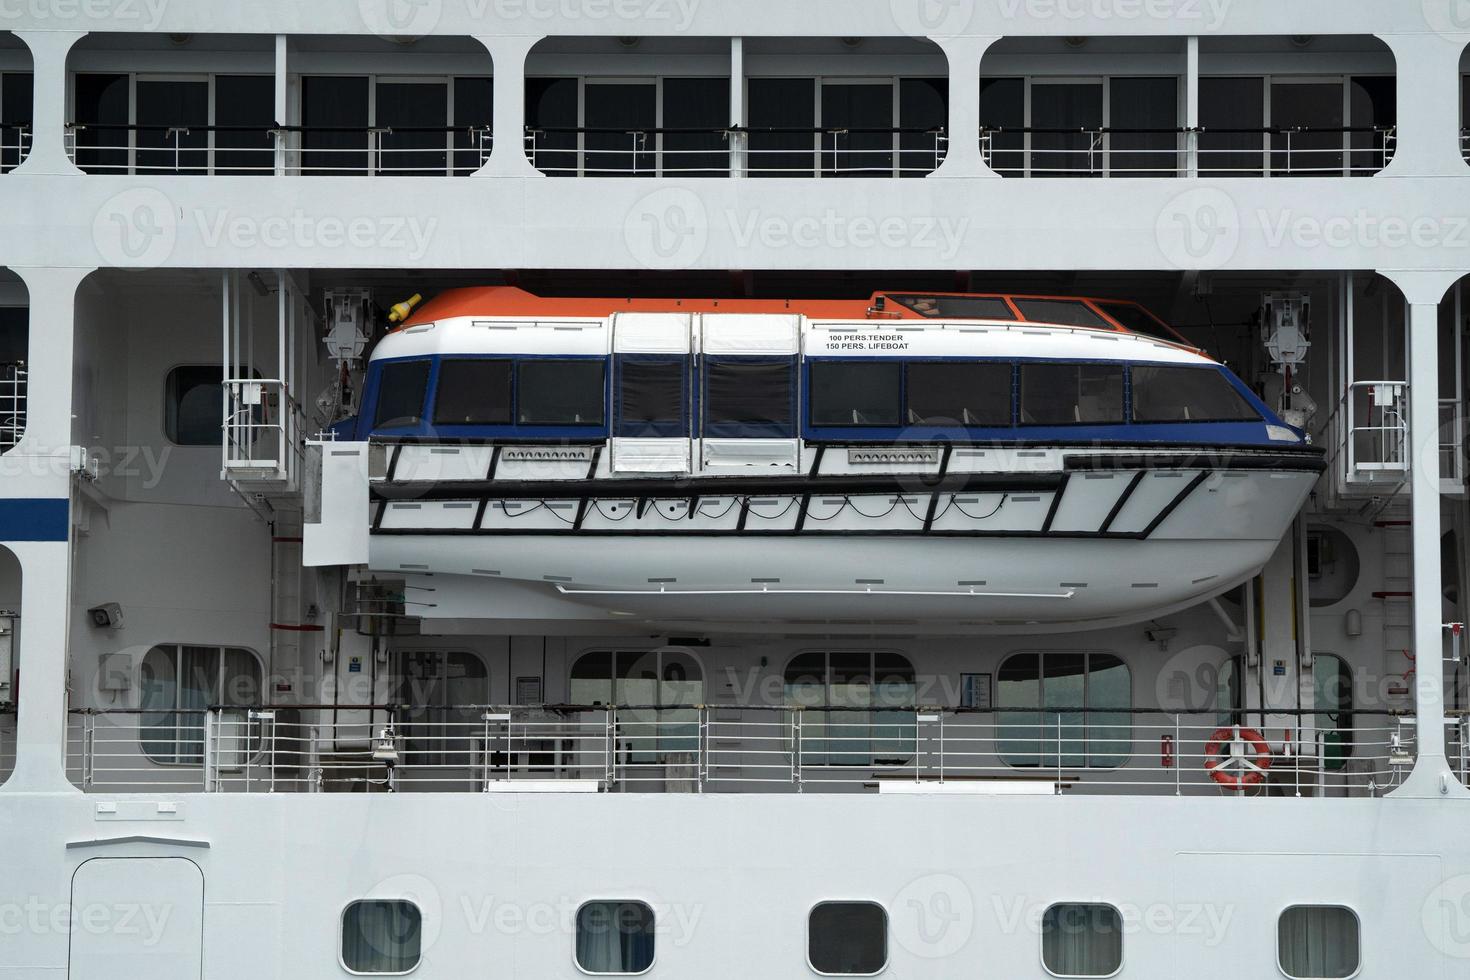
[{"x": 498, "y": 301}]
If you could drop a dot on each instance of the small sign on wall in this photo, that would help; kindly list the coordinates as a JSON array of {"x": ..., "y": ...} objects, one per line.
[
  {"x": 975, "y": 691},
  {"x": 528, "y": 690}
]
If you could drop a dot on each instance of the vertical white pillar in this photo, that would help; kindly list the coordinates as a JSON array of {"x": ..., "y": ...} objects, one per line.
[
  {"x": 1428, "y": 129},
  {"x": 283, "y": 100},
  {"x": 963, "y": 158},
  {"x": 35, "y": 479},
  {"x": 739, "y": 142},
  {"x": 49, "y": 50},
  {"x": 1191, "y": 106},
  {"x": 508, "y": 61},
  {"x": 1431, "y": 776}
]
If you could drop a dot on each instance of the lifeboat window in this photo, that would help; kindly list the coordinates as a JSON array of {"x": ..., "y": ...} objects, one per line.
[
  {"x": 1069, "y": 394},
  {"x": 177, "y": 683},
  {"x": 856, "y": 393},
  {"x": 1136, "y": 319},
  {"x": 859, "y": 707},
  {"x": 749, "y": 396},
  {"x": 1066, "y": 312},
  {"x": 1315, "y": 942},
  {"x": 1082, "y": 940},
  {"x": 651, "y": 396},
  {"x": 958, "y": 393},
  {"x": 1064, "y": 708},
  {"x": 956, "y": 307},
  {"x": 1187, "y": 394},
  {"x": 401, "y": 389},
  {"x": 381, "y": 937},
  {"x": 473, "y": 392},
  {"x": 560, "y": 391},
  {"x": 615, "y": 938},
  {"x": 847, "y": 939}
]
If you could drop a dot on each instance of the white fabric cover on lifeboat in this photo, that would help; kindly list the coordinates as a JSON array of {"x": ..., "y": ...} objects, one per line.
[{"x": 751, "y": 333}]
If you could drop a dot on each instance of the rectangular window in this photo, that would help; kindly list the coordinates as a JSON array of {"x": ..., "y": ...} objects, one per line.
[
  {"x": 101, "y": 110},
  {"x": 1082, "y": 940},
  {"x": 782, "y": 119},
  {"x": 652, "y": 396},
  {"x": 551, "y": 118},
  {"x": 1067, "y": 708},
  {"x": 561, "y": 392},
  {"x": 1187, "y": 394},
  {"x": 173, "y": 120},
  {"x": 857, "y": 120},
  {"x": 619, "y": 118},
  {"x": 856, "y": 393},
  {"x": 749, "y": 396},
  {"x": 246, "y": 101},
  {"x": 434, "y": 723},
  {"x": 1150, "y": 107},
  {"x": 615, "y": 937},
  {"x": 952, "y": 393},
  {"x": 178, "y": 683},
  {"x": 923, "y": 114},
  {"x": 1318, "y": 942},
  {"x": 473, "y": 391},
  {"x": 1002, "y": 117},
  {"x": 15, "y": 117},
  {"x": 1372, "y": 104},
  {"x": 1071, "y": 394},
  {"x": 847, "y": 939},
  {"x": 1315, "y": 106},
  {"x": 194, "y": 406},
  {"x": 401, "y": 390},
  {"x": 1232, "y": 113},
  {"x": 418, "y": 114},
  {"x": 381, "y": 937},
  {"x": 474, "y": 97},
  {"x": 334, "y": 110},
  {"x": 942, "y": 307},
  {"x": 1065, "y": 118},
  {"x": 1066, "y": 312},
  {"x": 701, "y": 107}
]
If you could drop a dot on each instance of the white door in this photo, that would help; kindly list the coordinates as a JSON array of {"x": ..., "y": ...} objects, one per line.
[{"x": 137, "y": 917}]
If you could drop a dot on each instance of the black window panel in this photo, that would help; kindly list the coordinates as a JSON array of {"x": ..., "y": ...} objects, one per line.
[
  {"x": 15, "y": 116},
  {"x": 847, "y": 938},
  {"x": 401, "y": 389},
  {"x": 1067, "y": 312},
  {"x": 102, "y": 112},
  {"x": 1003, "y": 107},
  {"x": 1137, "y": 319},
  {"x": 1373, "y": 102},
  {"x": 551, "y": 116},
  {"x": 782, "y": 104},
  {"x": 865, "y": 114},
  {"x": 560, "y": 392},
  {"x": 619, "y": 121},
  {"x": 1317, "y": 105},
  {"x": 651, "y": 396},
  {"x": 1143, "y": 104},
  {"x": 856, "y": 392},
  {"x": 923, "y": 103},
  {"x": 1073, "y": 107},
  {"x": 165, "y": 110},
  {"x": 15, "y": 333},
  {"x": 1227, "y": 104},
  {"x": 754, "y": 392},
  {"x": 696, "y": 104},
  {"x": 1187, "y": 394},
  {"x": 250, "y": 101},
  {"x": 1071, "y": 394},
  {"x": 955, "y": 393},
  {"x": 418, "y": 114},
  {"x": 474, "y": 111},
  {"x": 956, "y": 307},
  {"x": 473, "y": 391},
  {"x": 334, "y": 102},
  {"x": 194, "y": 405}
]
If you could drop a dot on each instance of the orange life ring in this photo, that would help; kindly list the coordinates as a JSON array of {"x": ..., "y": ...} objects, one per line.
[{"x": 1237, "y": 771}]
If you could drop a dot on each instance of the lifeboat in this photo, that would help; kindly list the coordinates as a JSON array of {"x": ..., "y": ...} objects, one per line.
[{"x": 964, "y": 462}]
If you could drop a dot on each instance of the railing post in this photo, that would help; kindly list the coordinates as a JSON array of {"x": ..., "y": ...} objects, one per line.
[
  {"x": 1059, "y": 753},
  {"x": 208, "y": 761},
  {"x": 1178, "y": 757},
  {"x": 610, "y": 761},
  {"x": 701, "y": 764},
  {"x": 796, "y": 747}
]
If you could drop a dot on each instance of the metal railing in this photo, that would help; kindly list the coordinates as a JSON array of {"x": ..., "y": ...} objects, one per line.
[
  {"x": 7, "y": 742},
  {"x": 13, "y": 391},
  {"x": 1370, "y": 431},
  {"x": 700, "y": 748},
  {"x": 1026, "y": 151},
  {"x": 15, "y": 144},
  {"x": 1453, "y": 448},
  {"x": 262, "y": 429}
]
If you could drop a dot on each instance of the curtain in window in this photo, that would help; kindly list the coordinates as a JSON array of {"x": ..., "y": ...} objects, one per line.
[
  {"x": 615, "y": 937},
  {"x": 1082, "y": 940},
  {"x": 1317, "y": 941},
  {"x": 381, "y": 937}
]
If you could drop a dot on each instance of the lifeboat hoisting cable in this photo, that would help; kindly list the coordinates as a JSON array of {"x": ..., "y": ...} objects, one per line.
[{"x": 1237, "y": 757}]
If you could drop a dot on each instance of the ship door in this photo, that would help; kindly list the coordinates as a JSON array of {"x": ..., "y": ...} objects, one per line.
[
  {"x": 653, "y": 393},
  {"x": 748, "y": 394},
  {"x": 137, "y": 917}
]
